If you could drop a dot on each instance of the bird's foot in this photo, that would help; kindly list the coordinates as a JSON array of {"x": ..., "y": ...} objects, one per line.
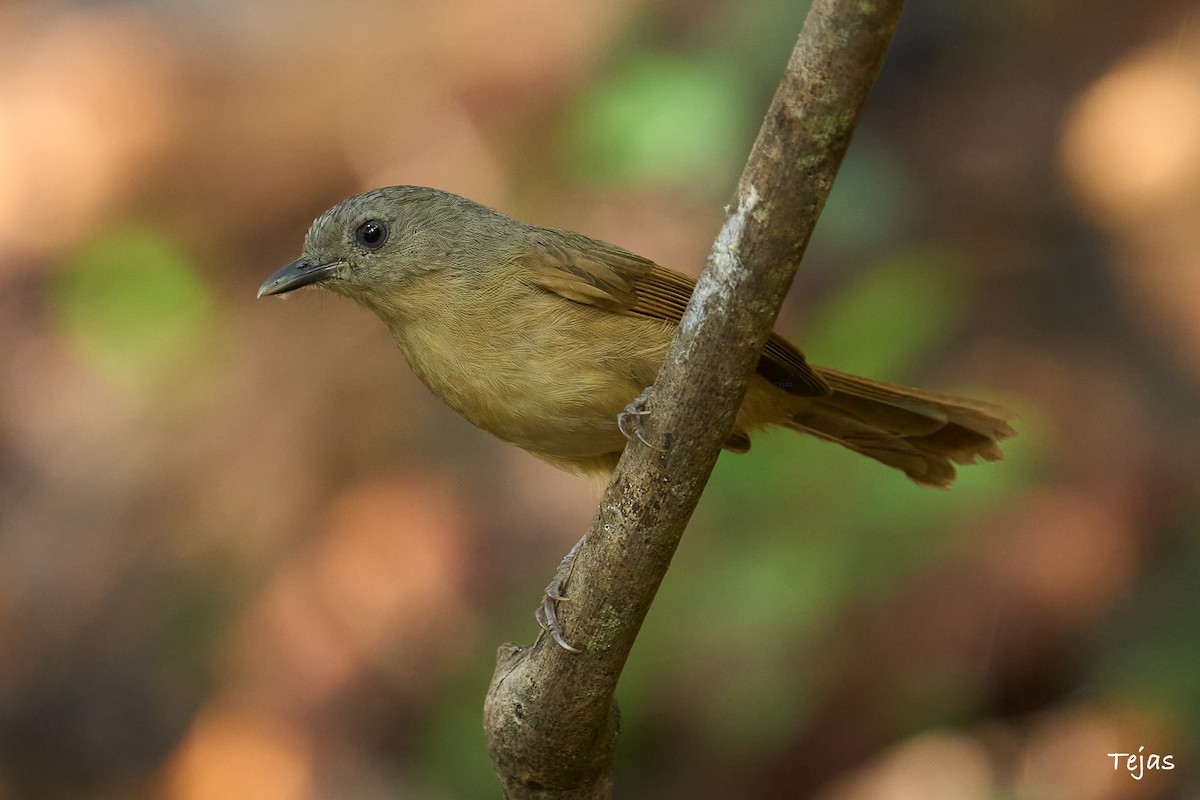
[
  {"x": 629, "y": 421},
  {"x": 547, "y": 613}
]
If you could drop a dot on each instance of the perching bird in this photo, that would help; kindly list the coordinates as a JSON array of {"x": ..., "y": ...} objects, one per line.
[{"x": 544, "y": 336}]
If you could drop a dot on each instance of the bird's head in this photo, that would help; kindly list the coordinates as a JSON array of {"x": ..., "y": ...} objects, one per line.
[{"x": 375, "y": 244}]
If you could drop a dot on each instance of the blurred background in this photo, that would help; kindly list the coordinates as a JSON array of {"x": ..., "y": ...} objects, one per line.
[{"x": 245, "y": 554}]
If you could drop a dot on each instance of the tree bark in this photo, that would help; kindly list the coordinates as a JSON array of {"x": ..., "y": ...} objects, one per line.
[{"x": 550, "y": 716}]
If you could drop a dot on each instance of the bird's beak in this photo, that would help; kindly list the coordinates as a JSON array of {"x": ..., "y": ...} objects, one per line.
[{"x": 300, "y": 272}]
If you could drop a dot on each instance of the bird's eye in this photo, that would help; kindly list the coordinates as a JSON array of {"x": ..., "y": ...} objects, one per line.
[{"x": 372, "y": 234}]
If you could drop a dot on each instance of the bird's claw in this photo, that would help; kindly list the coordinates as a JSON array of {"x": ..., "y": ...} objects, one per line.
[
  {"x": 547, "y": 613},
  {"x": 547, "y": 618},
  {"x": 629, "y": 421}
]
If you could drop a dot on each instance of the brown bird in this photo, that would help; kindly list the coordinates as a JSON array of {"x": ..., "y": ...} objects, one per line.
[{"x": 544, "y": 336}]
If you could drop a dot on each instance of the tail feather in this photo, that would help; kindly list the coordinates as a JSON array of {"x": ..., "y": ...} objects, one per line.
[{"x": 924, "y": 434}]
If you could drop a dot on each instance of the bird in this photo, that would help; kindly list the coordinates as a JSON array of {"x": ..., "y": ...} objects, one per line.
[{"x": 544, "y": 337}]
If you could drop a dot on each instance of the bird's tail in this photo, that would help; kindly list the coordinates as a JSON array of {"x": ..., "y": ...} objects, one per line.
[{"x": 922, "y": 433}]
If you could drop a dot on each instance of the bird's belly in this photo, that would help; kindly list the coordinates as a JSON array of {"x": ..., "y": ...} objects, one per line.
[{"x": 527, "y": 388}]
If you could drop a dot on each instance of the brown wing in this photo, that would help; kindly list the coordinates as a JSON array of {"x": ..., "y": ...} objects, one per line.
[{"x": 603, "y": 275}]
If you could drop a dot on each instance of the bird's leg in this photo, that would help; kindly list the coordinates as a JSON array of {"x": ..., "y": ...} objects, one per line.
[
  {"x": 629, "y": 421},
  {"x": 547, "y": 613}
]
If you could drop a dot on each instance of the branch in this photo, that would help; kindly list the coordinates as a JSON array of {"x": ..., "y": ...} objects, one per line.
[{"x": 550, "y": 715}]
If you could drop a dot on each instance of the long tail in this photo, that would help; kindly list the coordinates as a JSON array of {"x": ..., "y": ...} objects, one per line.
[{"x": 922, "y": 433}]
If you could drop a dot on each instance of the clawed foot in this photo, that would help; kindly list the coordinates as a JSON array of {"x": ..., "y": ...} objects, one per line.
[
  {"x": 547, "y": 613},
  {"x": 629, "y": 421}
]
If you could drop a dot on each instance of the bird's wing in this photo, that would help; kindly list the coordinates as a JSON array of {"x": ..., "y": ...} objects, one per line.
[{"x": 596, "y": 273}]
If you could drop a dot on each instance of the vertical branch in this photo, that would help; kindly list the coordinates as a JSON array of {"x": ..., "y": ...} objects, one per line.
[{"x": 550, "y": 716}]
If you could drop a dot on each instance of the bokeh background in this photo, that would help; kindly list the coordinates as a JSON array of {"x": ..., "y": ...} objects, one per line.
[{"x": 244, "y": 554}]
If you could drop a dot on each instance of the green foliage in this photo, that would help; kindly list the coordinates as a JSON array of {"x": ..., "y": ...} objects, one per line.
[
  {"x": 885, "y": 323},
  {"x": 131, "y": 303},
  {"x": 659, "y": 119},
  {"x": 452, "y": 751}
]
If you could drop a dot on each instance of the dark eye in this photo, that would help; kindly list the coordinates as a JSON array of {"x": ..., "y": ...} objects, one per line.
[{"x": 372, "y": 234}]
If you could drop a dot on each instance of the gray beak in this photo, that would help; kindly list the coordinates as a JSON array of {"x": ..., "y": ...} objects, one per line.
[{"x": 301, "y": 272}]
